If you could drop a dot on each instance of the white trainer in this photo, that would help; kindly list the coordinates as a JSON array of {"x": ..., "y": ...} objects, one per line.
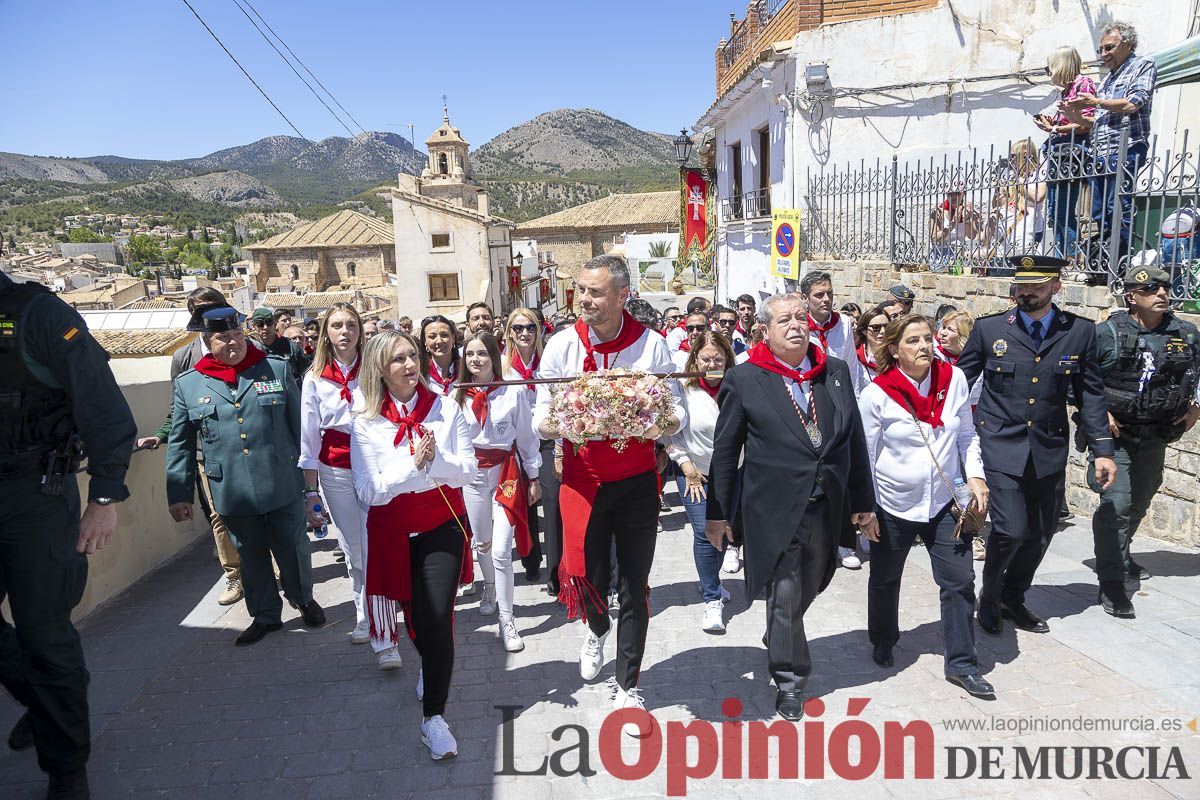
[
  {"x": 591, "y": 655},
  {"x": 848, "y": 559},
  {"x": 435, "y": 734},
  {"x": 487, "y": 600},
  {"x": 361, "y": 633},
  {"x": 421, "y": 686},
  {"x": 510, "y": 637},
  {"x": 390, "y": 659},
  {"x": 713, "y": 621},
  {"x": 733, "y": 560},
  {"x": 469, "y": 589},
  {"x": 630, "y": 698}
]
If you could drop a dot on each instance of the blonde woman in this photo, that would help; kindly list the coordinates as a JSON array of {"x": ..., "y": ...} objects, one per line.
[
  {"x": 1066, "y": 147},
  {"x": 1019, "y": 216}
]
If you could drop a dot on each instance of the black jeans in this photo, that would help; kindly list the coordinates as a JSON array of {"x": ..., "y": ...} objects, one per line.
[
  {"x": 953, "y": 571},
  {"x": 436, "y": 561},
  {"x": 625, "y": 513},
  {"x": 553, "y": 532},
  {"x": 1024, "y": 511}
]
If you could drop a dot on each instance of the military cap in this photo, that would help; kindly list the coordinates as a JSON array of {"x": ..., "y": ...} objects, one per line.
[
  {"x": 1035, "y": 269},
  {"x": 262, "y": 314},
  {"x": 1144, "y": 276},
  {"x": 221, "y": 319},
  {"x": 196, "y": 323},
  {"x": 902, "y": 293}
]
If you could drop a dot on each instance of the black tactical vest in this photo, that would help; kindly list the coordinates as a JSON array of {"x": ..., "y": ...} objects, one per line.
[
  {"x": 1167, "y": 393},
  {"x": 34, "y": 417}
]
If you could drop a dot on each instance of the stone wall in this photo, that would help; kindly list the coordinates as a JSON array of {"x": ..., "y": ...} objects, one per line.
[{"x": 1175, "y": 514}]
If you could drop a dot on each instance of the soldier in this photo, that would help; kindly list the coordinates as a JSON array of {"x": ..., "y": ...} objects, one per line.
[
  {"x": 1150, "y": 360},
  {"x": 246, "y": 408},
  {"x": 57, "y": 390},
  {"x": 1030, "y": 355},
  {"x": 264, "y": 329}
]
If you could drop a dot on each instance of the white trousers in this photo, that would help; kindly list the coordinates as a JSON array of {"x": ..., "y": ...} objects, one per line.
[
  {"x": 350, "y": 524},
  {"x": 490, "y": 521}
]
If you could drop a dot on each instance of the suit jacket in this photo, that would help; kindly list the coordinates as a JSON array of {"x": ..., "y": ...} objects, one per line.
[
  {"x": 781, "y": 467},
  {"x": 1022, "y": 412},
  {"x": 251, "y": 435}
]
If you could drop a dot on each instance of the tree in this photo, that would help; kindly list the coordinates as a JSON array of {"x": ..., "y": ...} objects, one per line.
[
  {"x": 144, "y": 249},
  {"x": 86, "y": 236},
  {"x": 660, "y": 249},
  {"x": 12, "y": 243}
]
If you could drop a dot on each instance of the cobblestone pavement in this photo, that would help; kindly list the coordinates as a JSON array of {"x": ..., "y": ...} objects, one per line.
[{"x": 178, "y": 712}]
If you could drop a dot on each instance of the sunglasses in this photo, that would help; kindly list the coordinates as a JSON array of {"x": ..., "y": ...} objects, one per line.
[
  {"x": 523, "y": 328},
  {"x": 727, "y": 323},
  {"x": 696, "y": 328},
  {"x": 876, "y": 328},
  {"x": 1152, "y": 288},
  {"x": 673, "y": 317},
  {"x": 259, "y": 323},
  {"x": 1107, "y": 48}
]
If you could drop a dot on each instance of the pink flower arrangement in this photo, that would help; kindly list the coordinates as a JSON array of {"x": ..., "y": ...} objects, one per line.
[{"x": 617, "y": 404}]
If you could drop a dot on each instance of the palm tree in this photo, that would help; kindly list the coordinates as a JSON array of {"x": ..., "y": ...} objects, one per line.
[{"x": 660, "y": 249}]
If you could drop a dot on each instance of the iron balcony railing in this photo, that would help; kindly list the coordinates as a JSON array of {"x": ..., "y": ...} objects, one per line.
[{"x": 747, "y": 205}]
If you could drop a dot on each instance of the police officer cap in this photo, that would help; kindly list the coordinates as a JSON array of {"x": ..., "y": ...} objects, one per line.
[
  {"x": 262, "y": 314},
  {"x": 224, "y": 318},
  {"x": 1144, "y": 276},
  {"x": 1033, "y": 269},
  {"x": 902, "y": 292}
]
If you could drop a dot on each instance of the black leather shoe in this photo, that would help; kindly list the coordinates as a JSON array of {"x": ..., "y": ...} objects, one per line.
[
  {"x": 990, "y": 620},
  {"x": 1023, "y": 618},
  {"x": 312, "y": 614},
  {"x": 21, "y": 737},
  {"x": 1136, "y": 571},
  {"x": 790, "y": 705},
  {"x": 1114, "y": 600},
  {"x": 72, "y": 786},
  {"x": 882, "y": 655},
  {"x": 255, "y": 633},
  {"x": 974, "y": 684}
]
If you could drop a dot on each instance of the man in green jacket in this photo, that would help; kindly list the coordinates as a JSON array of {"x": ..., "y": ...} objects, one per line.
[
  {"x": 265, "y": 331},
  {"x": 245, "y": 407}
]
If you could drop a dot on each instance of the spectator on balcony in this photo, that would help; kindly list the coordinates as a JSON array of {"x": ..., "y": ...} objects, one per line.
[
  {"x": 1066, "y": 147},
  {"x": 1017, "y": 223},
  {"x": 1123, "y": 101},
  {"x": 953, "y": 225}
]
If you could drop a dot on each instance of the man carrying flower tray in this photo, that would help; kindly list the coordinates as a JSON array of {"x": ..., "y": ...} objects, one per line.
[{"x": 609, "y": 483}]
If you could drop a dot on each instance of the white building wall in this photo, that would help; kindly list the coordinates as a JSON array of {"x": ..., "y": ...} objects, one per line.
[{"x": 416, "y": 258}]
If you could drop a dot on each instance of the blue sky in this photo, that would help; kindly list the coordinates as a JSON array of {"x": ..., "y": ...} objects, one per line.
[{"x": 142, "y": 78}]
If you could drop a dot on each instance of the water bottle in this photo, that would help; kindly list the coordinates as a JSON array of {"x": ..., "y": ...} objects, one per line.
[{"x": 323, "y": 530}]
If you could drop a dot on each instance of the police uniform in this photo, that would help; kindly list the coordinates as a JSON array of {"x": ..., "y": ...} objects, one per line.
[
  {"x": 250, "y": 429},
  {"x": 1150, "y": 379},
  {"x": 282, "y": 347},
  {"x": 1022, "y": 422},
  {"x": 56, "y": 384}
]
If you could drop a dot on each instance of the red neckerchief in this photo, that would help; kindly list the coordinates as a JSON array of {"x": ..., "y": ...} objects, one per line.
[
  {"x": 631, "y": 331},
  {"x": 740, "y": 329},
  {"x": 333, "y": 372},
  {"x": 215, "y": 369},
  {"x": 950, "y": 359},
  {"x": 709, "y": 388},
  {"x": 435, "y": 375},
  {"x": 685, "y": 346},
  {"x": 525, "y": 372},
  {"x": 862, "y": 358},
  {"x": 408, "y": 425},
  {"x": 761, "y": 356},
  {"x": 479, "y": 402},
  {"x": 821, "y": 330},
  {"x": 901, "y": 389}
]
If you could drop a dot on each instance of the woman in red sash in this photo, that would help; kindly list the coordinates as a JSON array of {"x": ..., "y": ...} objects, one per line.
[
  {"x": 411, "y": 453},
  {"x": 498, "y": 499}
]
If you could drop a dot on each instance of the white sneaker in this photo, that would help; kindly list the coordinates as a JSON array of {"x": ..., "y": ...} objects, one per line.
[
  {"x": 467, "y": 590},
  {"x": 421, "y": 686},
  {"x": 361, "y": 633},
  {"x": 848, "y": 559},
  {"x": 631, "y": 698},
  {"x": 390, "y": 659},
  {"x": 487, "y": 600},
  {"x": 732, "y": 562},
  {"x": 510, "y": 637},
  {"x": 435, "y": 734},
  {"x": 591, "y": 655},
  {"x": 713, "y": 621}
]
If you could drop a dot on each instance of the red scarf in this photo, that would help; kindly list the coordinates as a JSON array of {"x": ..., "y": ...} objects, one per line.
[
  {"x": 631, "y": 331},
  {"x": 333, "y": 372},
  {"x": 709, "y": 388},
  {"x": 822, "y": 330},
  {"x": 408, "y": 425},
  {"x": 215, "y": 369},
  {"x": 525, "y": 372},
  {"x": 901, "y": 389},
  {"x": 862, "y": 358},
  {"x": 686, "y": 346},
  {"x": 761, "y": 356},
  {"x": 950, "y": 359},
  {"x": 435, "y": 375},
  {"x": 479, "y": 402}
]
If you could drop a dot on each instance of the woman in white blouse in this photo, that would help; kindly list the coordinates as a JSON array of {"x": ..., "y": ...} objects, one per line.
[
  {"x": 691, "y": 447},
  {"x": 869, "y": 333},
  {"x": 411, "y": 453},
  {"x": 920, "y": 436},
  {"x": 498, "y": 499}
]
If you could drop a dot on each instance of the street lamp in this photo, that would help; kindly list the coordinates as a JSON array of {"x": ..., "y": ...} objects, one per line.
[{"x": 683, "y": 147}]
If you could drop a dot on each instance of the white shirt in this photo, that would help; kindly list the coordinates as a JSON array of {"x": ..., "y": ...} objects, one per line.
[
  {"x": 694, "y": 442},
  {"x": 509, "y": 419},
  {"x": 907, "y": 483},
  {"x": 799, "y": 391},
  {"x": 564, "y": 354},
  {"x": 382, "y": 470},
  {"x": 680, "y": 358},
  {"x": 322, "y": 408},
  {"x": 839, "y": 339},
  {"x": 742, "y": 357},
  {"x": 437, "y": 387},
  {"x": 675, "y": 337}
]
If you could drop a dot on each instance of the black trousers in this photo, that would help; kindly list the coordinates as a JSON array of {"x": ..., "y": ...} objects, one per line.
[
  {"x": 41, "y": 658},
  {"x": 553, "y": 532},
  {"x": 791, "y": 590},
  {"x": 953, "y": 571},
  {"x": 534, "y": 559},
  {"x": 436, "y": 561},
  {"x": 1024, "y": 511},
  {"x": 625, "y": 513}
]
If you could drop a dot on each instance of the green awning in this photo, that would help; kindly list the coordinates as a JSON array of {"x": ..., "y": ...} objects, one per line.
[{"x": 1179, "y": 63}]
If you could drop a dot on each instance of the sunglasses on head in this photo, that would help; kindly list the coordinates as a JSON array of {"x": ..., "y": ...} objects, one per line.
[{"x": 528, "y": 328}]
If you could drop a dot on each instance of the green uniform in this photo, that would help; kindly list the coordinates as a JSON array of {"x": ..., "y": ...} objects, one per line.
[
  {"x": 290, "y": 352},
  {"x": 1150, "y": 377},
  {"x": 47, "y": 353},
  {"x": 251, "y": 439}
]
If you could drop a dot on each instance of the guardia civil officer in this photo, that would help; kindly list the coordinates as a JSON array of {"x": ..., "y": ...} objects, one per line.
[
  {"x": 1031, "y": 355},
  {"x": 245, "y": 407},
  {"x": 1150, "y": 360},
  {"x": 262, "y": 328},
  {"x": 57, "y": 389}
]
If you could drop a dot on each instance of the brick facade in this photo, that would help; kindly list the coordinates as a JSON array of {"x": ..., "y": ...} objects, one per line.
[{"x": 319, "y": 268}]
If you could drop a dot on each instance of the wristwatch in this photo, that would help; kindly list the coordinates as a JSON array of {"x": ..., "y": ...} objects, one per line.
[{"x": 103, "y": 501}]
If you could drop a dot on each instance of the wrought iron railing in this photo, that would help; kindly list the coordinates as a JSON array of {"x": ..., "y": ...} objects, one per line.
[
  {"x": 757, "y": 203},
  {"x": 733, "y": 49},
  {"x": 731, "y": 207}
]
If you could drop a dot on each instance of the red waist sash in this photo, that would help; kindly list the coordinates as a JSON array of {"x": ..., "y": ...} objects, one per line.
[{"x": 335, "y": 448}]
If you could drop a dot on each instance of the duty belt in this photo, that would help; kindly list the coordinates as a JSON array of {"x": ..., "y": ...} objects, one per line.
[{"x": 16, "y": 466}]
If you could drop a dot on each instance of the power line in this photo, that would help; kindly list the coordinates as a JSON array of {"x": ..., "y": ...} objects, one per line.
[
  {"x": 243, "y": 69},
  {"x": 267, "y": 39},
  {"x": 302, "y": 64}
]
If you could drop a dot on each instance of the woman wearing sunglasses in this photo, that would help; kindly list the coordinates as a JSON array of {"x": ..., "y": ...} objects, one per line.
[{"x": 869, "y": 333}]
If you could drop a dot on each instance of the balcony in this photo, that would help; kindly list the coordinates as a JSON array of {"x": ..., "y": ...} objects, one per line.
[{"x": 746, "y": 205}]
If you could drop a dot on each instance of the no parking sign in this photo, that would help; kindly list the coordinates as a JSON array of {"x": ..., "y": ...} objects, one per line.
[{"x": 785, "y": 236}]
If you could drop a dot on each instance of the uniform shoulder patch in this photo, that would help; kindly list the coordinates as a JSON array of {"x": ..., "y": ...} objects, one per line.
[{"x": 70, "y": 333}]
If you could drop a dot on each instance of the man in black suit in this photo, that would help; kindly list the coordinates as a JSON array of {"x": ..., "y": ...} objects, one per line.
[
  {"x": 1030, "y": 357},
  {"x": 806, "y": 470}
]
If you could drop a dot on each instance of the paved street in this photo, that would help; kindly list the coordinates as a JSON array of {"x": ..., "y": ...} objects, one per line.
[{"x": 178, "y": 712}]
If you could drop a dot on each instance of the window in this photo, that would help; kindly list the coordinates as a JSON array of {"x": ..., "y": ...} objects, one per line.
[
  {"x": 764, "y": 158},
  {"x": 442, "y": 164},
  {"x": 295, "y": 272},
  {"x": 443, "y": 287},
  {"x": 440, "y": 241},
  {"x": 735, "y": 169},
  {"x": 352, "y": 269}
]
